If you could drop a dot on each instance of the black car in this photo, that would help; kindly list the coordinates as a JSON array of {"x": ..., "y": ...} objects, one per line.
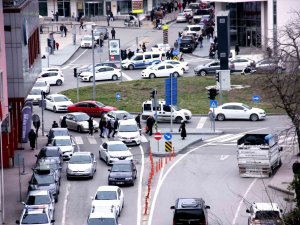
[
  {"x": 51, "y": 164},
  {"x": 50, "y": 152},
  {"x": 103, "y": 30},
  {"x": 57, "y": 132},
  {"x": 122, "y": 172},
  {"x": 189, "y": 211}
]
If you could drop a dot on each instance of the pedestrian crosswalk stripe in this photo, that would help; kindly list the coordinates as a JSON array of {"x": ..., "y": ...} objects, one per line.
[
  {"x": 143, "y": 138},
  {"x": 78, "y": 140},
  {"x": 91, "y": 139}
]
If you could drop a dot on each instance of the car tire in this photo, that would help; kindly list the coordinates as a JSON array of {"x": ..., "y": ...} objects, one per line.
[
  {"x": 253, "y": 117},
  {"x": 178, "y": 119},
  {"x": 54, "y": 109},
  {"x": 106, "y": 161},
  {"x": 130, "y": 67},
  {"x": 91, "y": 79},
  {"x": 59, "y": 82},
  {"x": 151, "y": 75},
  {"x": 175, "y": 74},
  {"x": 202, "y": 73},
  {"x": 114, "y": 77},
  {"x": 220, "y": 117},
  {"x": 79, "y": 129}
]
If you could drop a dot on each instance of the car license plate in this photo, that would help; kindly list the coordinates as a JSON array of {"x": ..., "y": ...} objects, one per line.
[{"x": 119, "y": 182}]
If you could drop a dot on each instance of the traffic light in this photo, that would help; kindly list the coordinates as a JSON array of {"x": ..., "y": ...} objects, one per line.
[
  {"x": 218, "y": 74},
  {"x": 75, "y": 72},
  {"x": 212, "y": 93},
  {"x": 153, "y": 94}
]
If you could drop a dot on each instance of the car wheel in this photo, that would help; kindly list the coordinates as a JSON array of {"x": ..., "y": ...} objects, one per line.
[
  {"x": 56, "y": 199},
  {"x": 107, "y": 162},
  {"x": 253, "y": 117},
  {"x": 175, "y": 74},
  {"x": 220, "y": 117},
  {"x": 130, "y": 67},
  {"x": 59, "y": 82},
  {"x": 152, "y": 76},
  {"x": 203, "y": 73},
  {"x": 54, "y": 109},
  {"x": 178, "y": 119},
  {"x": 114, "y": 77},
  {"x": 90, "y": 79},
  {"x": 79, "y": 129},
  {"x": 183, "y": 70}
]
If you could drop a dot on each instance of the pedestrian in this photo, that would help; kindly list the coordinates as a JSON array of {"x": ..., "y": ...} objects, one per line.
[
  {"x": 109, "y": 128},
  {"x": 144, "y": 47},
  {"x": 168, "y": 55},
  {"x": 152, "y": 15},
  {"x": 113, "y": 33},
  {"x": 63, "y": 123},
  {"x": 179, "y": 6},
  {"x": 182, "y": 130},
  {"x": 102, "y": 125},
  {"x": 111, "y": 15},
  {"x": 150, "y": 122},
  {"x": 56, "y": 45},
  {"x": 32, "y": 139},
  {"x": 91, "y": 125},
  {"x": 138, "y": 120},
  {"x": 101, "y": 39},
  {"x": 108, "y": 19},
  {"x": 61, "y": 28},
  {"x": 52, "y": 16},
  {"x": 115, "y": 127},
  {"x": 176, "y": 45},
  {"x": 56, "y": 16},
  {"x": 65, "y": 30},
  {"x": 269, "y": 52},
  {"x": 81, "y": 23},
  {"x": 54, "y": 124},
  {"x": 200, "y": 40},
  {"x": 237, "y": 49}
]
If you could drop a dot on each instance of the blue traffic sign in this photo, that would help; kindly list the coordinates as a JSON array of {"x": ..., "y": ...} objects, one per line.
[
  {"x": 118, "y": 95},
  {"x": 256, "y": 98},
  {"x": 168, "y": 136},
  {"x": 213, "y": 104}
]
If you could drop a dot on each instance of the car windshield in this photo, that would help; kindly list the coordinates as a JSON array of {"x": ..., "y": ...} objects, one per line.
[
  {"x": 247, "y": 107},
  {"x": 128, "y": 128},
  {"x": 106, "y": 195},
  {"x": 60, "y": 99},
  {"x": 176, "y": 108},
  {"x": 82, "y": 117},
  {"x": 38, "y": 200},
  {"x": 80, "y": 159},
  {"x": 117, "y": 147},
  {"x": 267, "y": 215},
  {"x": 100, "y": 104},
  {"x": 195, "y": 28},
  {"x": 62, "y": 142},
  {"x": 101, "y": 221},
  {"x": 35, "y": 92},
  {"x": 43, "y": 180},
  {"x": 181, "y": 14},
  {"x": 87, "y": 38},
  {"x": 49, "y": 153},
  {"x": 120, "y": 116},
  {"x": 60, "y": 133},
  {"x": 121, "y": 168},
  {"x": 40, "y": 218},
  {"x": 40, "y": 84}
]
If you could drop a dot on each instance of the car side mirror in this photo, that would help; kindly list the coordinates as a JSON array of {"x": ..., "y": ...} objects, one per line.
[
  {"x": 47, "y": 135},
  {"x": 95, "y": 161},
  {"x": 207, "y": 207},
  {"x": 36, "y": 155},
  {"x": 281, "y": 210},
  {"x": 17, "y": 221},
  {"x": 247, "y": 211},
  {"x": 52, "y": 221},
  {"x": 23, "y": 203},
  {"x": 172, "y": 207},
  {"x": 109, "y": 170}
]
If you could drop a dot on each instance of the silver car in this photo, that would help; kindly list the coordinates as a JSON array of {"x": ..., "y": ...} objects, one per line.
[
  {"x": 82, "y": 164},
  {"x": 79, "y": 121}
]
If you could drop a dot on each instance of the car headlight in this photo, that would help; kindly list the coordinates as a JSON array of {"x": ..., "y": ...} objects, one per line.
[
  {"x": 137, "y": 137},
  {"x": 69, "y": 170},
  {"x": 113, "y": 157},
  {"x": 128, "y": 178},
  {"x": 87, "y": 170},
  {"x": 111, "y": 178}
]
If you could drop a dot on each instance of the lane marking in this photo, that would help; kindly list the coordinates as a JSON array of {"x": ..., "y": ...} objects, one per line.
[
  {"x": 201, "y": 122},
  {"x": 223, "y": 157},
  {"x": 65, "y": 204},
  {"x": 78, "y": 57},
  {"x": 78, "y": 140},
  {"x": 215, "y": 139},
  {"x": 126, "y": 76},
  {"x": 139, "y": 199},
  {"x": 143, "y": 138},
  {"x": 91, "y": 139}
]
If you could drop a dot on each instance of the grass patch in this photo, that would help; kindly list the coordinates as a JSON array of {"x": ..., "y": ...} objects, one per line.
[{"x": 192, "y": 93}]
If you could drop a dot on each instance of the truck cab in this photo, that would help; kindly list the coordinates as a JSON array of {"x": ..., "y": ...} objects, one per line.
[{"x": 164, "y": 112}]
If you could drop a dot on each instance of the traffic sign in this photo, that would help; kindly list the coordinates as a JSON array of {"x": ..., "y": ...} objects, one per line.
[
  {"x": 168, "y": 136},
  {"x": 168, "y": 146},
  {"x": 157, "y": 136},
  {"x": 118, "y": 95},
  {"x": 213, "y": 103},
  {"x": 256, "y": 98}
]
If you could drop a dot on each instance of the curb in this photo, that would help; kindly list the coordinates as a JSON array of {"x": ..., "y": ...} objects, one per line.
[{"x": 281, "y": 190}]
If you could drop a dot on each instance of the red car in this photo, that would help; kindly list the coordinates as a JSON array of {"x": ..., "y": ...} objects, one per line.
[{"x": 92, "y": 108}]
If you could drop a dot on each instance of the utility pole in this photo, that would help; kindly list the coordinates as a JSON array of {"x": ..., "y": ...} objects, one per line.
[{"x": 94, "y": 82}]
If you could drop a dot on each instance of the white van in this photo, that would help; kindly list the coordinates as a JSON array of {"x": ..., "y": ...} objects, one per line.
[
  {"x": 142, "y": 60},
  {"x": 164, "y": 112},
  {"x": 192, "y": 29}
]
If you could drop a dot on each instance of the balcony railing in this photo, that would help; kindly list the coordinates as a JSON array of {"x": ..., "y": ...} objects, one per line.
[{"x": 13, "y": 3}]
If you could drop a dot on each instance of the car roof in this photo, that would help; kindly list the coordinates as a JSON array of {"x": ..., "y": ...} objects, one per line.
[
  {"x": 265, "y": 206},
  {"x": 114, "y": 142},
  {"x": 50, "y": 148},
  {"x": 76, "y": 113},
  {"x": 105, "y": 211},
  {"x": 57, "y": 95},
  {"x": 87, "y": 101},
  {"x": 82, "y": 153},
  {"x": 107, "y": 188},
  {"x": 119, "y": 111},
  {"x": 62, "y": 137},
  {"x": 120, "y": 162},
  {"x": 195, "y": 25},
  {"x": 127, "y": 122},
  {"x": 38, "y": 192},
  {"x": 59, "y": 129},
  {"x": 232, "y": 103}
]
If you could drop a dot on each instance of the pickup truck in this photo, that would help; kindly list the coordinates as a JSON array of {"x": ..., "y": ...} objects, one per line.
[{"x": 258, "y": 155}]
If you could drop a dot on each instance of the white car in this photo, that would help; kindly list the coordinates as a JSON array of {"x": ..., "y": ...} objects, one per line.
[
  {"x": 183, "y": 65},
  {"x": 192, "y": 29},
  {"x": 161, "y": 48},
  {"x": 86, "y": 42},
  {"x": 66, "y": 144},
  {"x": 109, "y": 196},
  {"x": 36, "y": 214},
  {"x": 51, "y": 69},
  {"x": 103, "y": 215},
  {"x": 34, "y": 95},
  {"x": 112, "y": 151},
  {"x": 236, "y": 110},
  {"x": 187, "y": 11},
  {"x": 239, "y": 64},
  {"x": 161, "y": 70},
  {"x": 57, "y": 102},
  {"x": 52, "y": 77},
  {"x": 42, "y": 86},
  {"x": 181, "y": 17},
  {"x": 129, "y": 132},
  {"x": 101, "y": 73}
]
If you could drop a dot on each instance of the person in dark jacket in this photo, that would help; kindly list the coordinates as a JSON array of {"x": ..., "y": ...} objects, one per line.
[
  {"x": 63, "y": 123},
  {"x": 237, "y": 49},
  {"x": 150, "y": 122},
  {"x": 109, "y": 128},
  {"x": 102, "y": 125},
  {"x": 182, "y": 130},
  {"x": 138, "y": 120},
  {"x": 115, "y": 127},
  {"x": 113, "y": 33},
  {"x": 32, "y": 139},
  {"x": 54, "y": 124},
  {"x": 91, "y": 125},
  {"x": 65, "y": 30}
]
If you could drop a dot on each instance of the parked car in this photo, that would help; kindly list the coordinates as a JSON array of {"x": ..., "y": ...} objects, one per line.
[
  {"x": 101, "y": 73},
  {"x": 67, "y": 145},
  {"x": 40, "y": 198},
  {"x": 161, "y": 70},
  {"x": 50, "y": 152},
  {"x": 57, "y": 132},
  {"x": 190, "y": 211},
  {"x": 92, "y": 108},
  {"x": 82, "y": 164},
  {"x": 52, "y": 77},
  {"x": 103, "y": 215},
  {"x": 42, "y": 86},
  {"x": 239, "y": 64},
  {"x": 270, "y": 65},
  {"x": 35, "y": 96},
  {"x": 122, "y": 172},
  {"x": 208, "y": 68},
  {"x": 51, "y": 164},
  {"x": 183, "y": 65},
  {"x": 188, "y": 11},
  {"x": 112, "y": 151},
  {"x": 161, "y": 47},
  {"x": 129, "y": 132},
  {"x": 87, "y": 42},
  {"x": 109, "y": 195},
  {"x": 235, "y": 110},
  {"x": 103, "y": 30},
  {"x": 57, "y": 102},
  {"x": 79, "y": 121},
  {"x": 181, "y": 17},
  {"x": 36, "y": 214},
  {"x": 199, "y": 13}
]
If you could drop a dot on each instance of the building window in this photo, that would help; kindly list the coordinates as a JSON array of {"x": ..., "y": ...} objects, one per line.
[
  {"x": 43, "y": 7},
  {"x": 1, "y": 87},
  {"x": 125, "y": 7},
  {"x": 33, "y": 47},
  {"x": 64, "y": 8},
  {"x": 275, "y": 12},
  {"x": 94, "y": 8}
]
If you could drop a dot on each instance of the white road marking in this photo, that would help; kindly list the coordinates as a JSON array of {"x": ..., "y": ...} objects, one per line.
[
  {"x": 223, "y": 157},
  {"x": 143, "y": 138},
  {"x": 237, "y": 212},
  {"x": 78, "y": 140},
  {"x": 65, "y": 204},
  {"x": 91, "y": 139},
  {"x": 139, "y": 199},
  {"x": 215, "y": 139},
  {"x": 201, "y": 122},
  {"x": 126, "y": 76},
  {"x": 78, "y": 57}
]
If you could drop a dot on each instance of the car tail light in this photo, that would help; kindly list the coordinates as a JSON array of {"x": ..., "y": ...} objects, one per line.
[
  {"x": 203, "y": 222},
  {"x": 231, "y": 66}
]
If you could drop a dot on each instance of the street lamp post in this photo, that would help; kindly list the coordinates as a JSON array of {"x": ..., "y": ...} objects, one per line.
[{"x": 94, "y": 82}]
